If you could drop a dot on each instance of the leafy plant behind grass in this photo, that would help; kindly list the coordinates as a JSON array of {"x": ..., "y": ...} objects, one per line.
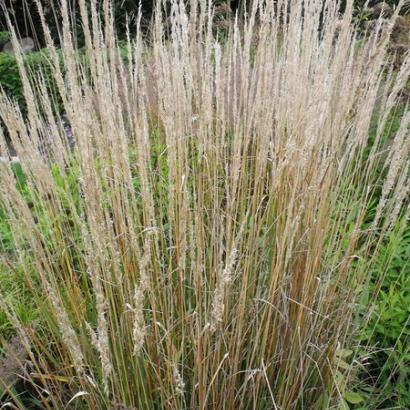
[
  {"x": 202, "y": 246},
  {"x": 4, "y": 36},
  {"x": 385, "y": 339}
]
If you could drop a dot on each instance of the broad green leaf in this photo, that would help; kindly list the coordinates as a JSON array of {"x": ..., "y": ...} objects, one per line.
[
  {"x": 344, "y": 353},
  {"x": 353, "y": 397},
  {"x": 342, "y": 364}
]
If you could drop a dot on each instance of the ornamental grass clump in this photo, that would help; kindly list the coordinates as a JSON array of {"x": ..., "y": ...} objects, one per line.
[{"x": 204, "y": 241}]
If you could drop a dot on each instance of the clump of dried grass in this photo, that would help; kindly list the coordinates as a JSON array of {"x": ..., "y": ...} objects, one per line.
[{"x": 203, "y": 243}]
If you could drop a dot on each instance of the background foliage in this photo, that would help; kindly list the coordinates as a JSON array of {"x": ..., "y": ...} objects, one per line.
[
  {"x": 27, "y": 21},
  {"x": 10, "y": 77}
]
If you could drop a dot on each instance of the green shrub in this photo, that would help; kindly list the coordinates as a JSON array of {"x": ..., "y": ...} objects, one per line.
[
  {"x": 36, "y": 63},
  {"x": 386, "y": 376},
  {"x": 385, "y": 301},
  {"x": 4, "y": 36}
]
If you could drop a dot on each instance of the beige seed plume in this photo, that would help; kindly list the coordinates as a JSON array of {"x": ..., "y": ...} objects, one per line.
[{"x": 223, "y": 280}]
